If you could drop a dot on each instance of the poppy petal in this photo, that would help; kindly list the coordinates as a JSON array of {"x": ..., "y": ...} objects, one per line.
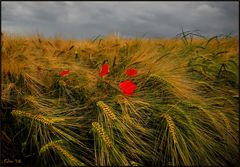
[
  {"x": 104, "y": 70},
  {"x": 131, "y": 72},
  {"x": 64, "y": 72},
  {"x": 127, "y": 87}
]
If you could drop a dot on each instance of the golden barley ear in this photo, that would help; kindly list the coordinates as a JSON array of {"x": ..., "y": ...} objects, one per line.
[
  {"x": 102, "y": 133},
  {"x": 72, "y": 159},
  {"x": 31, "y": 100},
  {"x": 171, "y": 126},
  {"x": 48, "y": 146},
  {"x": 37, "y": 117},
  {"x": 56, "y": 145},
  {"x": 107, "y": 110}
]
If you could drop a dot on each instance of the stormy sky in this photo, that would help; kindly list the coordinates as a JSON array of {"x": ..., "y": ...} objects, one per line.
[{"x": 129, "y": 19}]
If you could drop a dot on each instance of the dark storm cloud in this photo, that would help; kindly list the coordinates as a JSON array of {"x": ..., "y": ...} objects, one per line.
[{"x": 88, "y": 19}]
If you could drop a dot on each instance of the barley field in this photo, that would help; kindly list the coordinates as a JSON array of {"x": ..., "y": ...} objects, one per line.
[{"x": 114, "y": 101}]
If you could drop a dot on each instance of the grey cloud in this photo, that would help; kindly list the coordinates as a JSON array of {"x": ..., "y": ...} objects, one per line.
[{"x": 88, "y": 19}]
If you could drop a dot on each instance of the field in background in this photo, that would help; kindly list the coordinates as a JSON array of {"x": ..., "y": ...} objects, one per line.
[{"x": 184, "y": 110}]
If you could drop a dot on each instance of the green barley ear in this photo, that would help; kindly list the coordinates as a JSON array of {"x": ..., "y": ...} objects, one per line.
[
  {"x": 107, "y": 110},
  {"x": 160, "y": 79},
  {"x": 102, "y": 133},
  {"x": 171, "y": 126}
]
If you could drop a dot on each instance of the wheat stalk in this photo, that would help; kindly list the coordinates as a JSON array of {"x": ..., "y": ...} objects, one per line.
[
  {"x": 102, "y": 133},
  {"x": 171, "y": 127},
  {"x": 39, "y": 118},
  {"x": 106, "y": 109}
]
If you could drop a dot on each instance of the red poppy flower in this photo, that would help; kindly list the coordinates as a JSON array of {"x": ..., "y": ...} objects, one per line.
[
  {"x": 64, "y": 72},
  {"x": 127, "y": 87},
  {"x": 104, "y": 70},
  {"x": 131, "y": 72}
]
